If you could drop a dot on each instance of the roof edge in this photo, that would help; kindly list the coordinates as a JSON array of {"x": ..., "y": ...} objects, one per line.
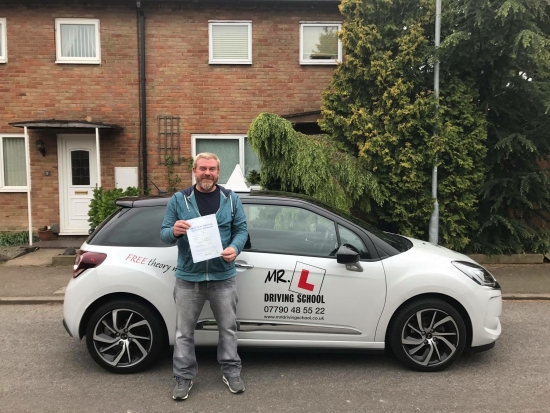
[{"x": 62, "y": 124}]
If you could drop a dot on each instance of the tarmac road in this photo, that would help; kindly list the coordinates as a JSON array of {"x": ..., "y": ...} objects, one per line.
[{"x": 42, "y": 369}]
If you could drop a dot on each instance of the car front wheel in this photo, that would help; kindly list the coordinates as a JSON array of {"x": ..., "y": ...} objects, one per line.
[
  {"x": 427, "y": 335},
  {"x": 125, "y": 336}
]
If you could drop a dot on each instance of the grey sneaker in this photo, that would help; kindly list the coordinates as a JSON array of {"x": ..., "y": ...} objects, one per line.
[
  {"x": 235, "y": 384},
  {"x": 181, "y": 389}
]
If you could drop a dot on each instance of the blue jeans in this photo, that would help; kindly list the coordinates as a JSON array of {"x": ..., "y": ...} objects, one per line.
[{"x": 190, "y": 298}]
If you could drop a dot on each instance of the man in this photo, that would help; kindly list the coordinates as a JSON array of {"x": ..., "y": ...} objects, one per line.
[{"x": 213, "y": 280}]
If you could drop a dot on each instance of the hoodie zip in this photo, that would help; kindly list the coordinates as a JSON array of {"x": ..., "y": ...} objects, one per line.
[{"x": 199, "y": 214}]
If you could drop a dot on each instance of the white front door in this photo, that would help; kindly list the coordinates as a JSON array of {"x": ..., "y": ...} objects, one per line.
[{"x": 77, "y": 180}]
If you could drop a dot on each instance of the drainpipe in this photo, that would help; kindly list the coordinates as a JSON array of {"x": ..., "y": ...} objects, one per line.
[
  {"x": 143, "y": 100},
  {"x": 28, "y": 164},
  {"x": 98, "y": 160}
]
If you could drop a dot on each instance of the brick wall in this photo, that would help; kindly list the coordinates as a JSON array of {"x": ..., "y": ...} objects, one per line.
[
  {"x": 33, "y": 87},
  {"x": 212, "y": 99},
  {"x": 218, "y": 99}
]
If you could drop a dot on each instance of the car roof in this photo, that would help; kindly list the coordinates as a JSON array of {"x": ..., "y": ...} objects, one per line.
[
  {"x": 162, "y": 200},
  {"x": 285, "y": 198}
]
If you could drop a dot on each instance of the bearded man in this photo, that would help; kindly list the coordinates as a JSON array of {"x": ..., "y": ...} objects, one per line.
[{"x": 213, "y": 280}]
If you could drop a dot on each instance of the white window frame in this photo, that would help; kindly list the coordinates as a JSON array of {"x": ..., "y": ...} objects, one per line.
[
  {"x": 211, "y": 59},
  {"x": 4, "y": 188},
  {"x": 4, "y": 37},
  {"x": 76, "y": 60},
  {"x": 242, "y": 144},
  {"x": 317, "y": 61}
]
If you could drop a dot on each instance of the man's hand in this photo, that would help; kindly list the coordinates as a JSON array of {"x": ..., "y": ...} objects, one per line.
[
  {"x": 180, "y": 227},
  {"x": 229, "y": 254}
]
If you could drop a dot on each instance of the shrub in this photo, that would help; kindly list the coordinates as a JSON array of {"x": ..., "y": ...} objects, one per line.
[
  {"x": 103, "y": 203},
  {"x": 9, "y": 239}
]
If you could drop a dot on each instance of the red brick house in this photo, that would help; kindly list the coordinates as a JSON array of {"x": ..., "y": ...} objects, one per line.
[{"x": 97, "y": 93}]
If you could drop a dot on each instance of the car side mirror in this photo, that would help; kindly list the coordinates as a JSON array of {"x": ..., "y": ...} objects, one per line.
[{"x": 347, "y": 254}]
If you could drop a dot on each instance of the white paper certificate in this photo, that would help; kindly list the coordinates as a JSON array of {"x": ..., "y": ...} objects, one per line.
[{"x": 204, "y": 238}]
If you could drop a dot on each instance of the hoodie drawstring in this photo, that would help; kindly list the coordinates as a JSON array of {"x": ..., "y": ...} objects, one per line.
[{"x": 186, "y": 204}]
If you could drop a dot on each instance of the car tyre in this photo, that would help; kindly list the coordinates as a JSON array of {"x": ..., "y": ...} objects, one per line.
[
  {"x": 125, "y": 336},
  {"x": 427, "y": 335}
]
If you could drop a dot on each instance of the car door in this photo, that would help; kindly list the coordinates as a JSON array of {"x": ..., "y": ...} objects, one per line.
[{"x": 291, "y": 286}]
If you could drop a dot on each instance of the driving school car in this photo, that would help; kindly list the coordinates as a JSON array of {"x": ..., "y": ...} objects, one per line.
[{"x": 309, "y": 276}]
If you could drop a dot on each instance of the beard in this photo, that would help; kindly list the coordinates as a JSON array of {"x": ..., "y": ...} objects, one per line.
[{"x": 206, "y": 184}]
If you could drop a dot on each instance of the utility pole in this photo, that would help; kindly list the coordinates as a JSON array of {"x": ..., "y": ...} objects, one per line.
[{"x": 434, "y": 220}]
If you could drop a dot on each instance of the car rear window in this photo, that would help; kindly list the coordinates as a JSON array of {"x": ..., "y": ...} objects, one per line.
[{"x": 131, "y": 227}]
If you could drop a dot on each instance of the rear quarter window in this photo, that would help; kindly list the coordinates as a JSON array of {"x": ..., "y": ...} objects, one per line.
[{"x": 131, "y": 227}]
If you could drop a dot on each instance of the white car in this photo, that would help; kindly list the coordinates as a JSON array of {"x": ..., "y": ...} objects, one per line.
[{"x": 309, "y": 277}]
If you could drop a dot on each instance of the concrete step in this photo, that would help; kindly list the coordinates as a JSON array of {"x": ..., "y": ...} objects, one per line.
[{"x": 63, "y": 259}]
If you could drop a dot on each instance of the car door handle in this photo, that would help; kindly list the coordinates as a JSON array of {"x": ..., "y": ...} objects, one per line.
[{"x": 238, "y": 265}]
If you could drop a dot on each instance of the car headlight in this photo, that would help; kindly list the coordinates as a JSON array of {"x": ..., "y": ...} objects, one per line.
[{"x": 477, "y": 273}]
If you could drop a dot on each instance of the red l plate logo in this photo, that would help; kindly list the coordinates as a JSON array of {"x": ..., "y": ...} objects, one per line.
[{"x": 302, "y": 282}]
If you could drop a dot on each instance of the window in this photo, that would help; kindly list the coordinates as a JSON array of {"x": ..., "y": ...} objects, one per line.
[
  {"x": 77, "y": 41},
  {"x": 319, "y": 44},
  {"x": 230, "y": 42},
  {"x": 80, "y": 168},
  {"x": 3, "y": 42},
  {"x": 131, "y": 227},
  {"x": 289, "y": 230},
  {"x": 13, "y": 165},
  {"x": 350, "y": 238},
  {"x": 231, "y": 149}
]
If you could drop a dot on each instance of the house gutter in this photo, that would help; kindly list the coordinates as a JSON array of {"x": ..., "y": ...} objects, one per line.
[{"x": 143, "y": 100}]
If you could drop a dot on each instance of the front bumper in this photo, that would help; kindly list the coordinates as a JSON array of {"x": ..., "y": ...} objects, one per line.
[{"x": 484, "y": 306}]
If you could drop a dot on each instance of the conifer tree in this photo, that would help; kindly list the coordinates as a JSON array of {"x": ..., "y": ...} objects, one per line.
[
  {"x": 310, "y": 165},
  {"x": 380, "y": 104},
  {"x": 504, "y": 47}
]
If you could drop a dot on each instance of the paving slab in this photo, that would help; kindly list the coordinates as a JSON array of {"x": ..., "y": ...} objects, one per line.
[
  {"x": 33, "y": 281},
  {"x": 63, "y": 241},
  {"x": 41, "y": 257},
  {"x": 522, "y": 278},
  {"x": 38, "y": 282}
]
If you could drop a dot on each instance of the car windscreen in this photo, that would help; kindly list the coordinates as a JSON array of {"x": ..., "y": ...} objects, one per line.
[{"x": 131, "y": 227}]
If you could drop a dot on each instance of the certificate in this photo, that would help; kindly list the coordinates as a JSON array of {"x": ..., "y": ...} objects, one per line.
[{"x": 204, "y": 238}]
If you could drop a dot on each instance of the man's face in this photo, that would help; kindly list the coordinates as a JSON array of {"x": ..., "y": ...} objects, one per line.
[{"x": 206, "y": 173}]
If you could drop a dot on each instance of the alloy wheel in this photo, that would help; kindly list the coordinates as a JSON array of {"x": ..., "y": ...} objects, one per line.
[
  {"x": 430, "y": 337},
  {"x": 122, "y": 338}
]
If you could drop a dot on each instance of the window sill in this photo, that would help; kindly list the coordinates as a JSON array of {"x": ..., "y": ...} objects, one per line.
[
  {"x": 230, "y": 62},
  {"x": 78, "y": 62},
  {"x": 320, "y": 62},
  {"x": 22, "y": 190}
]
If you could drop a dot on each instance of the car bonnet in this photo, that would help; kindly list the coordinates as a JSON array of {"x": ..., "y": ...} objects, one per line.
[{"x": 438, "y": 250}]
